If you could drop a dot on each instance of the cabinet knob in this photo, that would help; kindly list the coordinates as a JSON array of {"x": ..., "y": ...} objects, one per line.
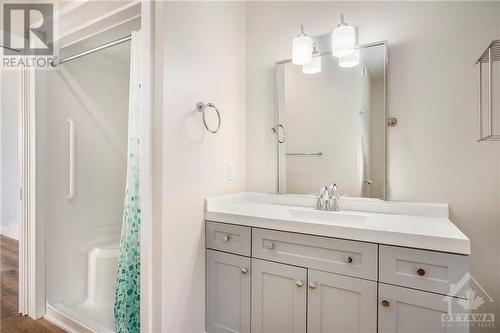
[
  {"x": 225, "y": 238},
  {"x": 385, "y": 302},
  {"x": 270, "y": 245},
  {"x": 420, "y": 272},
  {"x": 348, "y": 259},
  {"x": 312, "y": 285},
  {"x": 244, "y": 270},
  {"x": 300, "y": 283}
]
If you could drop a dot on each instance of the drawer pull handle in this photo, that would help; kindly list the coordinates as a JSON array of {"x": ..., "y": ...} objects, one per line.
[
  {"x": 300, "y": 283},
  {"x": 244, "y": 270},
  {"x": 312, "y": 285},
  {"x": 270, "y": 246},
  {"x": 420, "y": 272},
  {"x": 225, "y": 238},
  {"x": 385, "y": 302},
  {"x": 348, "y": 259}
]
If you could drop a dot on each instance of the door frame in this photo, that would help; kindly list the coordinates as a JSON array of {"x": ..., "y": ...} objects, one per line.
[
  {"x": 148, "y": 311},
  {"x": 32, "y": 143},
  {"x": 32, "y": 194}
]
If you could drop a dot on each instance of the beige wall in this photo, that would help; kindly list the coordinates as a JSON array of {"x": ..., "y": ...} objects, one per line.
[
  {"x": 204, "y": 61},
  {"x": 432, "y": 153}
]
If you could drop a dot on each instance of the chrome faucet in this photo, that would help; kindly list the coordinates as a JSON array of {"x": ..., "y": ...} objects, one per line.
[
  {"x": 333, "y": 198},
  {"x": 328, "y": 199},
  {"x": 322, "y": 199}
]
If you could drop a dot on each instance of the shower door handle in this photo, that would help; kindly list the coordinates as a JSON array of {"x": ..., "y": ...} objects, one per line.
[{"x": 71, "y": 132}]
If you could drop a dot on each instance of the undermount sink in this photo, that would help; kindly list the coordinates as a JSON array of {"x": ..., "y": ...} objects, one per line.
[{"x": 338, "y": 218}]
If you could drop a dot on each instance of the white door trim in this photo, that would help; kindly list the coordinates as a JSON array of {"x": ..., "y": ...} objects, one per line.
[
  {"x": 32, "y": 183},
  {"x": 147, "y": 313}
]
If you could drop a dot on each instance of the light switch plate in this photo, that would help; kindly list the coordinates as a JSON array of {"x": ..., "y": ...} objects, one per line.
[{"x": 231, "y": 173}]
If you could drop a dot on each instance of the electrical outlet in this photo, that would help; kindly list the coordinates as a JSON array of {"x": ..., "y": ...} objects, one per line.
[{"x": 231, "y": 173}]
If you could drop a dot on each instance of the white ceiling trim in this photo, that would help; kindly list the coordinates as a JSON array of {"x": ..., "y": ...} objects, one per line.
[
  {"x": 101, "y": 23},
  {"x": 98, "y": 32}
]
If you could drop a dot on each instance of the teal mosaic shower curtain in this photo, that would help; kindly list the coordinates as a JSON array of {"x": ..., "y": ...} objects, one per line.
[{"x": 127, "y": 290}]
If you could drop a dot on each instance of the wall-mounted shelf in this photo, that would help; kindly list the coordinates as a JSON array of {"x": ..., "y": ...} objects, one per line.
[{"x": 488, "y": 72}]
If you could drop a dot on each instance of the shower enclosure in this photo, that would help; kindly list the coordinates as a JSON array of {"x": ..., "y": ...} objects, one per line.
[{"x": 87, "y": 123}]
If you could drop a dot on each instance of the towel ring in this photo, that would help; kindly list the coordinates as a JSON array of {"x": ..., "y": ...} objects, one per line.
[{"x": 200, "y": 106}]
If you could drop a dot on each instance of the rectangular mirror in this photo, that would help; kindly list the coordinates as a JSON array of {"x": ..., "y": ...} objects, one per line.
[{"x": 331, "y": 125}]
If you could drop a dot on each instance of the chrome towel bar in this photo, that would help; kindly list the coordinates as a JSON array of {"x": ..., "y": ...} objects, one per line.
[
  {"x": 318, "y": 154},
  {"x": 201, "y": 107}
]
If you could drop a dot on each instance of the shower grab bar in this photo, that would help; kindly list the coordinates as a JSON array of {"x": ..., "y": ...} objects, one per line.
[{"x": 71, "y": 133}]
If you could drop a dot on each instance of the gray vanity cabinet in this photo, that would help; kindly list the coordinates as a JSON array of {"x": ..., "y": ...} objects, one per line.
[
  {"x": 282, "y": 282},
  {"x": 338, "y": 303},
  {"x": 403, "y": 310},
  {"x": 278, "y": 297},
  {"x": 228, "y": 293}
]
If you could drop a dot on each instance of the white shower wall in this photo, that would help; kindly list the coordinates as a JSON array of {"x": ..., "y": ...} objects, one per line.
[
  {"x": 93, "y": 92},
  {"x": 9, "y": 159}
]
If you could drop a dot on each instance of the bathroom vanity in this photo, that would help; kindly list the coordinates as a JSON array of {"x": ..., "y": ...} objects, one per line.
[{"x": 275, "y": 264}]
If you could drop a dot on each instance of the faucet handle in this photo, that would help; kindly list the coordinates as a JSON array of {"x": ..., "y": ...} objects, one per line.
[
  {"x": 321, "y": 199},
  {"x": 332, "y": 190},
  {"x": 334, "y": 197},
  {"x": 326, "y": 193},
  {"x": 319, "y": 202}
]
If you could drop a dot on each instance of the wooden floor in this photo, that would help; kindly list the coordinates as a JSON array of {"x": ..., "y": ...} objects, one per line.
[{"x": 10, "y": 320}]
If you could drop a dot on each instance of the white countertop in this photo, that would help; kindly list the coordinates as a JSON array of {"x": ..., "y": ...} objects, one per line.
[{"x": 416, "y": 225}]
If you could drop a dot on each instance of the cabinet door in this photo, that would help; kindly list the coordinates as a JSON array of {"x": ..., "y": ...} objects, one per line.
[
  {"x": 278, "y": 298},
  {"x": 403, "y": 310},
  {"x": 341, "y": 304},
  {"x": 228, "y": 293}
]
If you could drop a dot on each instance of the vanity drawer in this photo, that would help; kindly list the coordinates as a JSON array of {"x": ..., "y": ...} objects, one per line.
[
  {"x": 326, "y": 254},
  {"x": 228, "y": 237},
  {"x": 424, "y": 270}
]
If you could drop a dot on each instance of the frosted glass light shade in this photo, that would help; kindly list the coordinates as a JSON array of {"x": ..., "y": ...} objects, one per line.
[
  {"x": 313, "y": 67},
  {"x": 350, "y": 60},
  {"x": 343, "y": 40},
  {"x": 302, "y": 50}
]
